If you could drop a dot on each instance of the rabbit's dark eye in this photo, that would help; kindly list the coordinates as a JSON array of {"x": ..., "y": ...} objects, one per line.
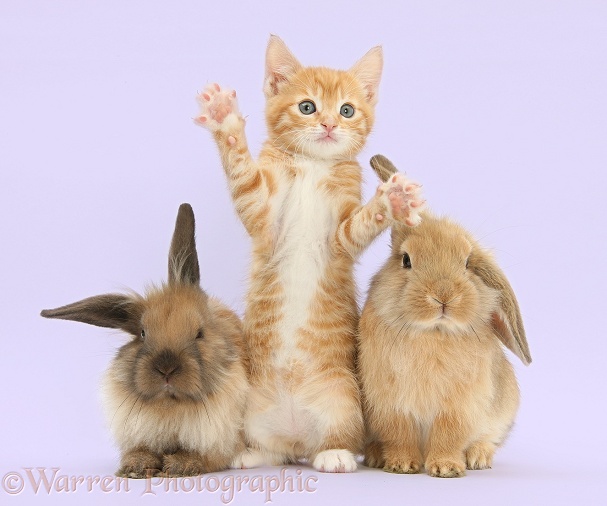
[
  {"x": 200, "y": 334},
  {"x": 142, "y": 334},
  {"x": 467, "y": 262},
  {"x": 406, "y": 261}
]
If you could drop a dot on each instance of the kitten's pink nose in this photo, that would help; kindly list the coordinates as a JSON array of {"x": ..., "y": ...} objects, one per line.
[{"x": 328, "y": 126}]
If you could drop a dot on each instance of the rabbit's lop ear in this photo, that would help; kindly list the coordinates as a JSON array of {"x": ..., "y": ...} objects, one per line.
[
  {"x": 506, "y": 321},
  {"x": 112, "y": 310},
  {"x": 383, "y": 167},
  {"x": 183, "y": 258}
]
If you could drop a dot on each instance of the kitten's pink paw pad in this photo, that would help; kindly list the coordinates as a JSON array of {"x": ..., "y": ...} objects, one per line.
[
  {"x": 216, "y": 104},
  {"x": 403, "y": 199}
]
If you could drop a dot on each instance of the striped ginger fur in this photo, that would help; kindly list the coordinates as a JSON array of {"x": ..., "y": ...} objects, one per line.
[{"x": 300, "y": 202}]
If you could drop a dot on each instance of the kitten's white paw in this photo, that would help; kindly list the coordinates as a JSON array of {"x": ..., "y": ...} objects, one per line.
[
  {"x": 218, "y": 108},
  {"x": 335, "y": 461},
  {"x": 403, "y": 199},
  {"x": 250, "y": 458},
  {"x": 247, "y": 459}
]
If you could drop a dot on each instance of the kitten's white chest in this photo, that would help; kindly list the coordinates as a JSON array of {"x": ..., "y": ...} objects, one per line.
[
  {"x": 306, "y": 222},
  {"x": 305, "y": 217}
]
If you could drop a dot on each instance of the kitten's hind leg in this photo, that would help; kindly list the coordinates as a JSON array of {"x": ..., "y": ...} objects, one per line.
[
  {"x": 251, "y": 457},
  {"x": 334, "y": 461},
  {"x": 342, "y": 416}
]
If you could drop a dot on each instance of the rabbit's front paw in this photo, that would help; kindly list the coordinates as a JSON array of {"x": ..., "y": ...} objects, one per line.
[
  {"x": 373, "y": 455},
  {"x": 402, "y": 198},
  {"x": 218, "y": 108},
  {"x": 480, "y": 455},
  {"x": 183, "y": 463},
  {"x": 402, "y": 466},
  {"x": 139, "y": 464},
  {"x": 446, "y": 468}
]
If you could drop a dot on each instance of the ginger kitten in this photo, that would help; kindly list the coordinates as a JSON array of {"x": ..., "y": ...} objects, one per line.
[{"x": 301, "y": 204}]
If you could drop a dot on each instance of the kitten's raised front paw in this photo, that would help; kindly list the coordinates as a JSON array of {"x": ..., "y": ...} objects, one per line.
[
  {"x": 335, "y": 461},
  {"x": 217, "y": 106},
  {"x": 403, "y": 199}
]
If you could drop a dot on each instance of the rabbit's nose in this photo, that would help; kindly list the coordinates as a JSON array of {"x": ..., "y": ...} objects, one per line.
[
  {"x": 443, "y": 291},
  {"x": 441, "y": 303},
  {"x": 166, "y": 363}
]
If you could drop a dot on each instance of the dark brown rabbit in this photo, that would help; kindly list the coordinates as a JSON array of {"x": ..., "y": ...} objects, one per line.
[{"x": 174, "y": 395}]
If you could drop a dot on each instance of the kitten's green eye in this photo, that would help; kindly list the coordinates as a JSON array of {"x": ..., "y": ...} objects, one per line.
[
  {"x": 347, "y": 111},
  {"x": 307, "y": 107}
]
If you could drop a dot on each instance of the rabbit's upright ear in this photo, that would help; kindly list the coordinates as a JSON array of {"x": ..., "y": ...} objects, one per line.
[
  {"x": 183, "y": 258},
  {"x": 112, "y": 310},
  {"x": 398, "y": 234},
  {"x": 506, "y": 320},
  {"x": 383, "y": 167}
]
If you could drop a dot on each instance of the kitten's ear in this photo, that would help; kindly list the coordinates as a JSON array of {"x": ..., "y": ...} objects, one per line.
[
  {"x": 368, "y": 72},
  {"x": 280, "y": 66}
]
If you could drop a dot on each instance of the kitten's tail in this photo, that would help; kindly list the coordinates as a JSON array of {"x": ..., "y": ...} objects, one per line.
[{"x": 383, "y": 167}]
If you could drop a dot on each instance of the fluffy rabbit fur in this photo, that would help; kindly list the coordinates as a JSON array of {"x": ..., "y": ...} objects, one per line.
[
  {"x": 438, "y": 389},
  {"x": 174, "y": 395}
]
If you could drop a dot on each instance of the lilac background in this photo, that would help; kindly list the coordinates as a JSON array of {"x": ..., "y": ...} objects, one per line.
[{"x": 499, "y": 108}]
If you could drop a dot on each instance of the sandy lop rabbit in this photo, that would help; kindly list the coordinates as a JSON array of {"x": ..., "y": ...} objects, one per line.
[
  {"x": 438, "y": 389},
  {"x": 174, "y": 395}
]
